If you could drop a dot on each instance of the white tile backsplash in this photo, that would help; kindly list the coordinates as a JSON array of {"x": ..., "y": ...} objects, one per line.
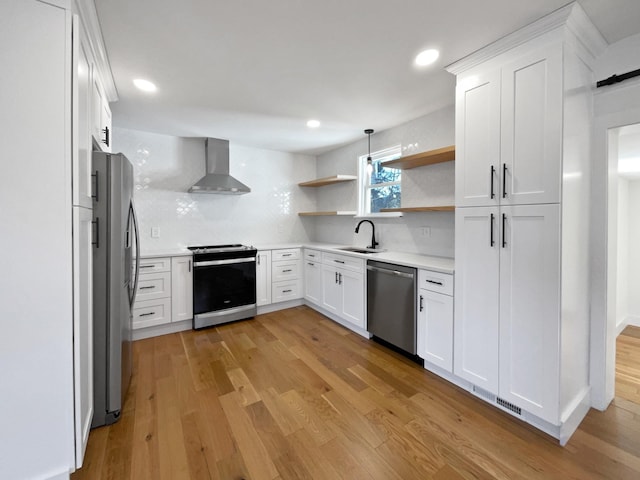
[{"x": 165, "y": 167}]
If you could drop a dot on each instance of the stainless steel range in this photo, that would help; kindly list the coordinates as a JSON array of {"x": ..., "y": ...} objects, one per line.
[{"x": 224, "y": 284}]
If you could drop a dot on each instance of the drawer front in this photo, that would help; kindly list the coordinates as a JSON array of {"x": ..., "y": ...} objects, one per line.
[
  {"x": 153, "y": 265},
  {"x": 154, "y": 285},
  {"x": 313, "y": 255},
  {"x": 283, "y": 291},
  {"x": 436, "y": 282},
  {"x": 285, "y": 270},
  {"x": 343, "y": 261},
  {"x": 285, "y": 254},
  {"x": 148, "y": 313}
]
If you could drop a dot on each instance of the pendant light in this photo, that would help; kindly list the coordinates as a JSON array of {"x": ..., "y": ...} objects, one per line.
[{"x": 369, "y": 131}]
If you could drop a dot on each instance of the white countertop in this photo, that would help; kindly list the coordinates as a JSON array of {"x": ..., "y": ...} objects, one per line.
[{"x": 427, "y": 262}]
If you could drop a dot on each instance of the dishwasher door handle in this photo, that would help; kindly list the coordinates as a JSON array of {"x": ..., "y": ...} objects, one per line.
[{"x": 395, "y": 273}]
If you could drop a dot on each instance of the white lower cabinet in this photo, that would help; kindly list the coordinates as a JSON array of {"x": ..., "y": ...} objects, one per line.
[
  {"x": 263, "y": 277},
  {"x": 435, "y": 319},
  {"x": 343, "y": 291},
  {"x": 286, "y": 276},
  {"x": 313, "y": 277},
  {"x": 165, "y": 291},
  {"x": 181, "y": 288},
  {"x": 507, "y": 304}
]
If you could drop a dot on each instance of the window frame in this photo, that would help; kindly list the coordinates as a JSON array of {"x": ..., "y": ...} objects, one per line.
[{"x": 365, "y": 185}]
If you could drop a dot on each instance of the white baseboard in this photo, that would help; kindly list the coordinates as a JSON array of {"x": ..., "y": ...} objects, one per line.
[
  {"x": 158, "y": 330},
  {"x": 575, "y": 415},
  {"x": 633, "y": 320},
  {"x": 274, "y": 307}
]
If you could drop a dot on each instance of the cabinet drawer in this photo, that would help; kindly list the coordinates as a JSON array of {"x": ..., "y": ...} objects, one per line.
[
  {"x": 313, "y": 255},
  {"x": 154, "y": 285},
  {"x": 152, "y": 265},
  {"x": 283, "y": 291},
  {"x": 148, "y": 313},
  {"x": 285, "y": 270},
  {"x": 436, "y": 281},
  {"x": 285, "y": 254},
  {"x": 343, "y": 261}
]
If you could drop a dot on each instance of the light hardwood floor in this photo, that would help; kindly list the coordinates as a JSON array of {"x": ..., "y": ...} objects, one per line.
[{"x": 292, "y": 395}]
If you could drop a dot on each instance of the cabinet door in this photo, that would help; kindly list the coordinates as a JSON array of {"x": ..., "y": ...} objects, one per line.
[
  {"x": 313, "y": 282},
  {"x": 478, "y": 139},
  {"x": 263, "y": 277},
  {"x": 101, "y": 117},
  {"x": 82, "y": 327},
  {"x": 435, "y": 329},
  {"x": 82, "y": 129},
  {"x": 352, "y": 285},
  {"x": 531, "y": 132},
  {"x": 530, "y": 309},
  {"x": 477, "y": 251},
  {"x": 331, "y": 290},
  {"x": 181, "y": 288}
]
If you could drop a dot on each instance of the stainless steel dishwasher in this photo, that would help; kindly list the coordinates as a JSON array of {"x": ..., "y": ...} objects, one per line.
[{"x": 391, "y": 304}]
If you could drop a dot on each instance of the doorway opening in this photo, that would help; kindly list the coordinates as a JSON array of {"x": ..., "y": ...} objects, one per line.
[{"x": 624, "y": 236}]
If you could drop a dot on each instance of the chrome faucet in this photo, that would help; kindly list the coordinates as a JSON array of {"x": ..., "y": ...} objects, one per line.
[{"x": 373, "y": 233}]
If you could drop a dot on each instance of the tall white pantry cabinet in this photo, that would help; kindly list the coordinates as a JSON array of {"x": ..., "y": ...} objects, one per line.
[
  {"x": 523, "y": 119},
  {"x": 46, "y": 356}
]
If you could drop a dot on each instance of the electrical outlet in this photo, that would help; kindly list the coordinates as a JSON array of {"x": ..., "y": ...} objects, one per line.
[
  {"x": 425, "y": 231},
  {"x": 155, "y": 232}
]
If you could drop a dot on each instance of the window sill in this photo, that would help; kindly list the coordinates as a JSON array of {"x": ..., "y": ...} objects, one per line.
[{"x": 378, "y": 215}]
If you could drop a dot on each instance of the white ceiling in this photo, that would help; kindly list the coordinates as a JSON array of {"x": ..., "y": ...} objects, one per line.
[{"x": 254, "y": 71}]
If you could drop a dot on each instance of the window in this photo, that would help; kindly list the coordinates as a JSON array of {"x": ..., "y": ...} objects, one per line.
[{"x": 381, "y": 188}]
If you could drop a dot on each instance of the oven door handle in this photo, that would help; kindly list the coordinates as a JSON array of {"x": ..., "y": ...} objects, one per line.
[{"x": 224, "y": 262}]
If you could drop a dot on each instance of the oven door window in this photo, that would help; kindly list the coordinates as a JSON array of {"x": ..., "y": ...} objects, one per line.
[{"x": 219, "y": 287}]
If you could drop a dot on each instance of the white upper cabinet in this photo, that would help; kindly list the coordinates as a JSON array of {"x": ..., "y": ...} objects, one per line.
[
  {"x": 509, "y": 131},
  {"x": 478, "y": 139},
  {"x": 531, "y": 128},
  {"x": 82, "y": 183},
  {"x": 101, "y": 128}
]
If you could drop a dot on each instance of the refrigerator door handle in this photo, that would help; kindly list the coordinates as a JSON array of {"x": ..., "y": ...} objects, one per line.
[{"x": 132, "y": 213}]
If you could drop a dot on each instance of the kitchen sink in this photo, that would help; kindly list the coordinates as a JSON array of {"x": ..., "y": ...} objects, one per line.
[{"x": 361, "y": 249}]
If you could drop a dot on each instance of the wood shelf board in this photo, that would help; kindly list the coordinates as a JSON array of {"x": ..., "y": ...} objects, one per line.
[
  {"x": 443, "y": 208},
  {"x": 445, "y": 154},
  {"x": 328, "y": 180},
  {"x": 325, "y": 214}
]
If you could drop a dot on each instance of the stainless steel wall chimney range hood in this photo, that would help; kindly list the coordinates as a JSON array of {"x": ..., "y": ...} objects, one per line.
[{"x": 217, "y": 179}]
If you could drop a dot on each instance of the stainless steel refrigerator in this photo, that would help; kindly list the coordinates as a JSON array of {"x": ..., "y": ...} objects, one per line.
[{"x": 115, "y": 281}]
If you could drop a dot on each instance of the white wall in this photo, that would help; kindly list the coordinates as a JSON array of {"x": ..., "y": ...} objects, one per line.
[
  {"x": 432, "y": 185},
  {"x": 165, "y": 167},
  {"x": 614, "y": 106},
  {"x": 622, "y": 293},
  {"x": 633, "y": 278}
]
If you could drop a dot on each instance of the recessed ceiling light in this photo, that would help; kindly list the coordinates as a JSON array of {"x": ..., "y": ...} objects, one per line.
[
  {"x": 427, "y": 57},
  {"x": 313, "y": 123},
  {"x": 144, "y": 85}
]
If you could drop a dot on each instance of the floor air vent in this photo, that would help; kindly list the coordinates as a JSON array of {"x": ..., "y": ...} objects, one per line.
[
  {"x": 484, "y": 394},
  {"x": 509, "y": 406}
]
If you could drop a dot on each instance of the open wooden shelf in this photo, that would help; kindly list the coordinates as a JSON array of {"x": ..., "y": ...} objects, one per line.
[
  {"x": 325, "y": 214},
  {"x": 328, "y": 180},
  {"x": 445, "y": 154},
  {"x": 443, "y": 208}
]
